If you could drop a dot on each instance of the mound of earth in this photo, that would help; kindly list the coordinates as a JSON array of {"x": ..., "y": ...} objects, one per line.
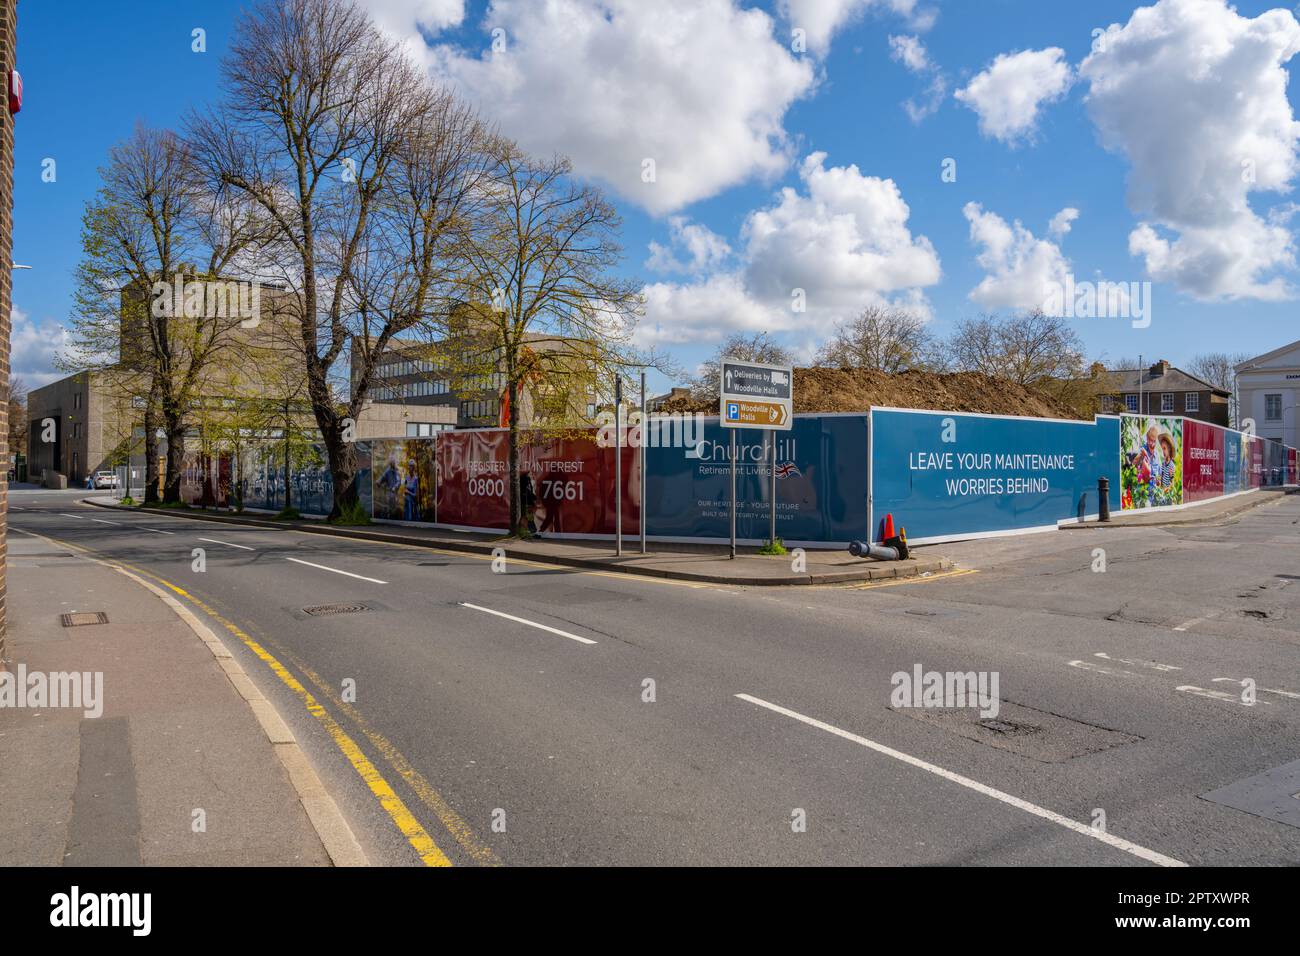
[{"x": 856, "y": 389}]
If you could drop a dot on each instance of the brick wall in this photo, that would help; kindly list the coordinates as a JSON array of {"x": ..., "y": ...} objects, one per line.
[{"x": 8, "y": 23}]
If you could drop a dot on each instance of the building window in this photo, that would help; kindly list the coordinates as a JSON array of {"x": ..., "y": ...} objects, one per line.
[
  {"x": 76, "y": 400},
  {"x": 1192, "y": 402},
  {"x": 1166, "y": 401},
  {"x": 76, "y": 430},
  {"x": 1131, "y": 402},
  {"x": 1273, "y": 408}
]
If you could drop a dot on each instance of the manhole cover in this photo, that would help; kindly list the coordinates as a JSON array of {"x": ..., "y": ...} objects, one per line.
[
  {"x": 328, "y": 610},
  {"x": 78, "y": 618}
]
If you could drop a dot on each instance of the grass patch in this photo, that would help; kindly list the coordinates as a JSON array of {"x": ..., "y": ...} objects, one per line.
[
  {"x": 776, "y": 547},
  {"x": 128, "y": 501},
  {"x": 351, "y": 515},
  {"x": 174, "y": 505},
  {"x": 287, "y": 514}
]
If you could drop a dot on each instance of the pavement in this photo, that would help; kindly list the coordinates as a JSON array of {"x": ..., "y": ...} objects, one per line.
[
  {"x": 170, "y": 756},
  {"x": 472, "y": 712},
  {"x": 704, "y": 563},
  {"x": 1210, "y": 512}
]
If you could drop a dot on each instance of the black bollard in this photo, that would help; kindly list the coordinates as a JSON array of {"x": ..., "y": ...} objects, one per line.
[{"x": 1103, "y": 494}]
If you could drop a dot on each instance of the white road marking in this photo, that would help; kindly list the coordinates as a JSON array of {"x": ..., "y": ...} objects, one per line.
[
  {"x": 360, "y": 577},
  {"x": 1098, "y": 669},
  {"x": 66, "y": 515},
  {"x": 242, "y": 547},
  {"x": 1151, "y": 664},
  {"x": 1261, "y": 690},
  {"x": 159, "y": 531},
  {"x": 1119, "y": 843},
  {"x": 1216, "y": 695},
  {"x": 520, "y": 620},
  {"x": 106, "y": 521}
]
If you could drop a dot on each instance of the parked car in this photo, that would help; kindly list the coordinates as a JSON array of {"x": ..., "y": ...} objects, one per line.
[{"x": 105, "y": 479}]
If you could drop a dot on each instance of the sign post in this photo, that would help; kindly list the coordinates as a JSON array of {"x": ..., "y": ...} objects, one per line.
[
  {"x": 754, "y": 395},
  {"x": 618, "y": 465},
  {"x": 645, "y": 426}
]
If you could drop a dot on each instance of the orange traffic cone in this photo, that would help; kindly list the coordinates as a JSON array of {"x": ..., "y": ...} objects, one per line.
[{"x": 889, "y": 527}]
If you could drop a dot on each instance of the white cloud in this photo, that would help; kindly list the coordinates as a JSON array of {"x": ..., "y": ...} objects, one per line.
[
  {"x": 1061, "y": 222},
  {"x": 1009, "y": 95},
  {"x": 821, "y": 19},
  {"x": 843, "y": 241},
  {"x": 705, "y": 311},
  {"x": 1021, "y": 268},
  {"x": 33, "y": 348},
  {"x": 911, "y": 52},
  {"x": 701, "y": 87},
  {"x": 409, "y": 21},
  {"x": 1194, "y": 95},
  {"x": 704, "y": 248}
]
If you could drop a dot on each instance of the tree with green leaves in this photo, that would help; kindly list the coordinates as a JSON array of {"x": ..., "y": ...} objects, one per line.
[
  {"x": 151, "y": 224},
  {"x": 541, "y": 262}
]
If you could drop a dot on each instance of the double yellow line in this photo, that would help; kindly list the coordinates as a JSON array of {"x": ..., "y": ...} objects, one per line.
[{"x": 402, "y": 817}]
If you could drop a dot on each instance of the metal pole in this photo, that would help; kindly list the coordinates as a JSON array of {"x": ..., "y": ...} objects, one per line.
[
  {"x": 1141, "y": 410},
  {"x": 645, "y": 426},
  {"x": 772, "y": 530},
  {"x": 618, "y": 466},
  {"x": 733, "y": 493}
]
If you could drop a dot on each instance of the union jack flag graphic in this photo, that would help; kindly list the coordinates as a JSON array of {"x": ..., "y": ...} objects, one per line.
[{"x": 788, "y": 469}]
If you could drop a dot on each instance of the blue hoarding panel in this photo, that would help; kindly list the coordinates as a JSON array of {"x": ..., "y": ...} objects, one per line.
[
  {"x": 821, "y": 483},
  {"x": 947, "y": 475}
]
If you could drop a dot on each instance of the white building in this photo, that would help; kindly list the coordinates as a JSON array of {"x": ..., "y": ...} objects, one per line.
[{"x": 1268, "y": 388}]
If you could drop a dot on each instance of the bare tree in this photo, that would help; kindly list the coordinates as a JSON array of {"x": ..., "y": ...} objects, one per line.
[
  {"x": 151, "y": 222},
  {"x": 551, "y": 309},
  {"x": 16, "y": 401},
  {"x": 1218, "y": 368},
  {"x": 751, "y": 347},
  {"x": 882, "y": 338},
  {"x": 1031, "y": 350},
  {"x": 368, "y": 173}
]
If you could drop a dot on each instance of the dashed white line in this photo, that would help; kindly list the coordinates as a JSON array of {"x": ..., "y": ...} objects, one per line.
[
  {"x": 360, "y": 577},
  {"x": 1119, "y": 843},
  {"x": 106, "y": 521},
  {"x": 1098, "y": 669},
  {"x": 521, "y": 620},
  {"x": 242, "y": 547},
  {"x": 66, "y": 515},
  {"x": 1217, "y": 695},
  {"x": 1151, "y": 664},
  {"x": 159, "y": 531}
]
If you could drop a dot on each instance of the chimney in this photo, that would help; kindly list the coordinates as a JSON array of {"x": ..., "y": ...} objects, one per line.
[{"x": 1160, "y": 368}]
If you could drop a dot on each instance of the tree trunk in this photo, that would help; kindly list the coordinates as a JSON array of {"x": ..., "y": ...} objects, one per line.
[
  {"x": 150, "y": 451},
  {"x": 342, "y": 457},
  {"x": 516, "y": 517},
  {"x": 175, "y": 428}
]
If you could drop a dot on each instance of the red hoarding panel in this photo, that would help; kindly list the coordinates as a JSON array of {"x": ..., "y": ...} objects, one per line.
[
  {"x": 473, "y": 469},
  {"x": 570, "y": 482},
  {"x": 1202, "y": 461},
  {"x": 1292, "y": 467},
  {"x": 1256, "y": 462}
]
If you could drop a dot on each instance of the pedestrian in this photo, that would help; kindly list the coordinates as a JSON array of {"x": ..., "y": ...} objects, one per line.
[{"x": 527, "y": 501}]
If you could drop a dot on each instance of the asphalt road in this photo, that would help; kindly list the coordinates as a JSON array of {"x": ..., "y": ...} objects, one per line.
[{"x": 618, "y": 720}]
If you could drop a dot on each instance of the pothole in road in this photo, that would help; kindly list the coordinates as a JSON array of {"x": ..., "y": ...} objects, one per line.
[
  {"x": 1037, "y": 734},
  {"x": 1256, "y": 615}
]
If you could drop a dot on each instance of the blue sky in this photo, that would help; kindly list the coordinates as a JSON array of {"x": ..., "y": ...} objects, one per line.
[{"x": 1136, "y": 135}]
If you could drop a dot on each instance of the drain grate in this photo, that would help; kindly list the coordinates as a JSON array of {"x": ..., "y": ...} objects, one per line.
[
  {"x": 80, "y": 618},
  {"x": 328, "y": 610}
]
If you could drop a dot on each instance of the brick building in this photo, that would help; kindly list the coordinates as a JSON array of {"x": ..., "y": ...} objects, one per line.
[
  {"x": 1163, "y": 389},
  {"x": 8, "y": 60}
]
